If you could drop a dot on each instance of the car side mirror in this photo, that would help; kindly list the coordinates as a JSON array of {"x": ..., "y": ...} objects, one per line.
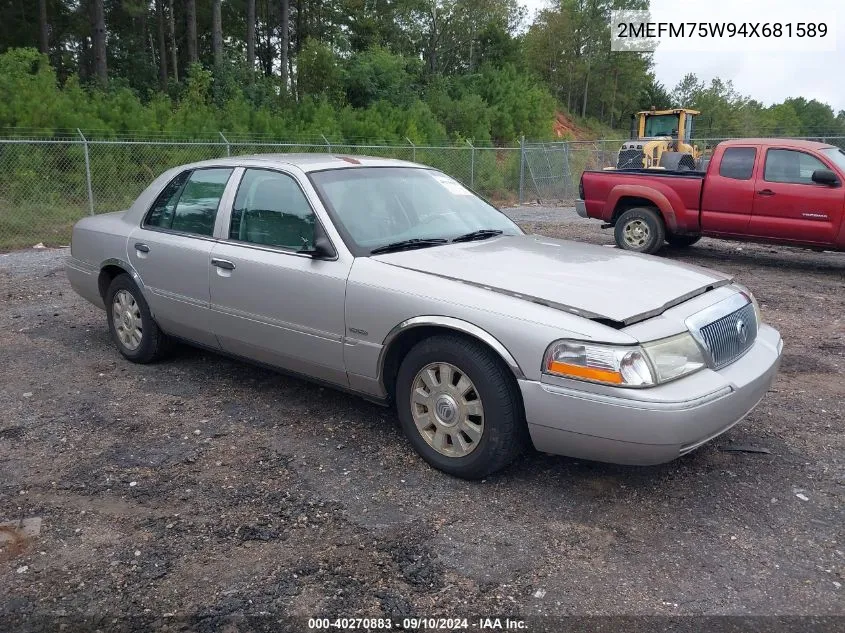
[
  {"x": 825, "y": 177},
  {"x": 321, "y": 248}
]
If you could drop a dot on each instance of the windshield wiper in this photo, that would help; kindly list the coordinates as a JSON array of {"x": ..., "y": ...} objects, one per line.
[
  {"x": 409, "y": 244},
  {"x": 481, "y": 234}
]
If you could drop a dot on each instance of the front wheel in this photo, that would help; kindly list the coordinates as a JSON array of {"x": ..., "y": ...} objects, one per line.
[
  {"x": 640, "y": 230},
  {"x": 682, "y": 241},
  {"x": 460, "y": 407}
]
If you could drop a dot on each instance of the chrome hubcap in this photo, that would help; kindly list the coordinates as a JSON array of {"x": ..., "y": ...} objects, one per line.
[
  {"x": 636, "y": 233},
  {"x": 126, "y": 316},
  {"x": 447, "y": 409}
]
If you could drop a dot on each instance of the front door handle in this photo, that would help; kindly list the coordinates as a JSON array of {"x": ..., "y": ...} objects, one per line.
[
  {"x": 141, "y": 247},
  {"x": 765, "y": 192},
  {"x": 225, "y": 264}
]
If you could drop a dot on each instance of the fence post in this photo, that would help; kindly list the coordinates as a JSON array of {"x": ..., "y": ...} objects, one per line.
[
  {"x": 471, "y": 165},
  {"x": 87, "y": 173},
  {"x": 413, "y": 149},
  {"x": 521, "y": 166},
  {"x": 329, "y": 145},
  {"x": 225, "y": 140}
]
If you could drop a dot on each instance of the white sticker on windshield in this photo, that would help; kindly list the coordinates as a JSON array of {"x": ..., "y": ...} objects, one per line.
[{"x": 453, "y": 186}]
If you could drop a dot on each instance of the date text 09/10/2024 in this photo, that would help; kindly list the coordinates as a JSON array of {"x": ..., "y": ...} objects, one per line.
[{"x": 417, "y": 624}]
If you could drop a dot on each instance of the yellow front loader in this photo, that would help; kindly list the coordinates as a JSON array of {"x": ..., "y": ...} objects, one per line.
[{"x": 661, "y": 139}]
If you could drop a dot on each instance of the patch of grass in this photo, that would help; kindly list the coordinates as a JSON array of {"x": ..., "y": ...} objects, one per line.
[{"x": 24, "y": 225}]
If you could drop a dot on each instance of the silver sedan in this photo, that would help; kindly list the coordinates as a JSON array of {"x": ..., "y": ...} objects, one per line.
[{"x": 393, "y": 281}]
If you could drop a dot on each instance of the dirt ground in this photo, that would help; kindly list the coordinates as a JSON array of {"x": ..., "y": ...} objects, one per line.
[{"x": 202, "y": 487}]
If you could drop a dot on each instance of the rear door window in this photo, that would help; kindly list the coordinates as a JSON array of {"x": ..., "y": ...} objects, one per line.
[
  {"x": 197, "y": 207},
  {"x": 189, "y": 202},
  {"x": 161, "y": 213},
  {"x": 738, "y": 163}
]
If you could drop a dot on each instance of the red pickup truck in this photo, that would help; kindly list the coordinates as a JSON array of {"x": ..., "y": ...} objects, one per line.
[{"x": 766, "y": 190}]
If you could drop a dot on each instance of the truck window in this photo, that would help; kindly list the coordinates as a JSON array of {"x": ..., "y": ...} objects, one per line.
[
  {"x": 786, "y": 165},
  {"x": 836, "y": 155},
  {"x": 738, "y": 163}
]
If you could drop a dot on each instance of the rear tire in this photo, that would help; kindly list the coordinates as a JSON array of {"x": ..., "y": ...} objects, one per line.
[
  {"x": 131, "y": 325},
  {"x": 460, "y": 407},
  {"x": 682, "y": 241},
  {"x": 640, "y": 230}
]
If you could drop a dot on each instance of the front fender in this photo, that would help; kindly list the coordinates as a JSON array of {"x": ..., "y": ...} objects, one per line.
[{"x": 451, "y": 323}]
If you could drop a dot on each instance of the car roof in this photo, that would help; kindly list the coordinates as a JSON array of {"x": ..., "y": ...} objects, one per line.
[
  {"x": 308, "y": 162},
  {"x": 777, "y": 142}
]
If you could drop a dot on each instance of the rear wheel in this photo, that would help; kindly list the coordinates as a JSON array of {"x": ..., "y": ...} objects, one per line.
[
  {"x": 682, "y": 241},
  {"x": 640, "y": 230},
  {"x": 460, "y": 407},
  {"x": 131, "y": 324}
]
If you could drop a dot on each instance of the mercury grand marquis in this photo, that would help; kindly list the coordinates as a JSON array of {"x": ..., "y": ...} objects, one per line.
[{"x": 394, "y": 281}]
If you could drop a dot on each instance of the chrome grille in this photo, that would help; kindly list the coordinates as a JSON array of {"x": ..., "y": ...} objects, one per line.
[{"x": 731, "y": 336}]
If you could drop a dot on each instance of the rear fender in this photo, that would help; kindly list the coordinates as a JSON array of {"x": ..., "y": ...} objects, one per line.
[
  {"x": 657, "y": 198},
  {"x": 104, "y": 278}
]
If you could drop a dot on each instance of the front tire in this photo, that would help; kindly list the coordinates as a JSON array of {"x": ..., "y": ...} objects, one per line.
[
  {"x": 460, "y": 407},
  {"x": 131, "y": 325},
  {"x": 640, "y": 230}
]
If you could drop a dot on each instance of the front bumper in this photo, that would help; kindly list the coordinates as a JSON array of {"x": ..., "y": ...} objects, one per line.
[
  {"x": 581, "y": 208},
  {"x": 655, "y": 425}
]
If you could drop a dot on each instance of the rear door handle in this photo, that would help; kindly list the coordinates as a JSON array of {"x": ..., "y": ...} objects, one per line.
[
  {"x": 766, "y": 192},
  {"x": 222, "y": 263},
  {"x": 141, "y": 247}
]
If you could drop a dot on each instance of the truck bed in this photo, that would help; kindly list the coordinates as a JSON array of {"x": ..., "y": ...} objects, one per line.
[
  {"x": 679, "y": 193},
  {"x": 686, "y": 173}
]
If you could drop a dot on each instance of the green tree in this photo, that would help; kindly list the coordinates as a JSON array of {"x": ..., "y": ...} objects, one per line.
[
  {"x": 376, "y": 74},
  {"x": 319, "y": 72}
]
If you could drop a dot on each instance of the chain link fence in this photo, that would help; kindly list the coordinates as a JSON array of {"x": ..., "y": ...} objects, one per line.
[
  {"x": 553, "y": 169},
  {"x": 46, "y": 185}
]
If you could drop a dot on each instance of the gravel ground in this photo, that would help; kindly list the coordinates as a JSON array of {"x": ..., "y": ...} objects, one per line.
[
  {"x": 205, "y": 487},
  {"x": 536, "y": 214}
]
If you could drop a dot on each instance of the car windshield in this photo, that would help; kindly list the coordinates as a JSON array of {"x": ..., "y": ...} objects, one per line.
[
  {"x": 374, "y": 207},
  {"x": 836, "y": 155}
]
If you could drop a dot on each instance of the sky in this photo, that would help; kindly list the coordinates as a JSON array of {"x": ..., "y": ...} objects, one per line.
[{"x": 765, "y": 76}]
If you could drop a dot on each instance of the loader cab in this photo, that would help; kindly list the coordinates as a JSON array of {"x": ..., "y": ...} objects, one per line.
[{"x": 676, "y": 124}]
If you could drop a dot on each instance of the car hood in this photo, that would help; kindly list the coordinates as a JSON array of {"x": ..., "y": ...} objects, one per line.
[{"x": 591, "y": 281}]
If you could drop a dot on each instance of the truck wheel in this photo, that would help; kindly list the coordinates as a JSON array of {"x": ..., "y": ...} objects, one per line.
[
  {"x": 682, "y": 241},
  {"x": 640, "y": 230},
  {"x": 460, "y": 407}
]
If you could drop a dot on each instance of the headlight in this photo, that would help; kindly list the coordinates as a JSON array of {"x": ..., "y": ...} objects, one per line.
[
  {"x": 675, "y": 356},
  {"x": 625, "y": 366},
  {"x": 608, "y": 364}
]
